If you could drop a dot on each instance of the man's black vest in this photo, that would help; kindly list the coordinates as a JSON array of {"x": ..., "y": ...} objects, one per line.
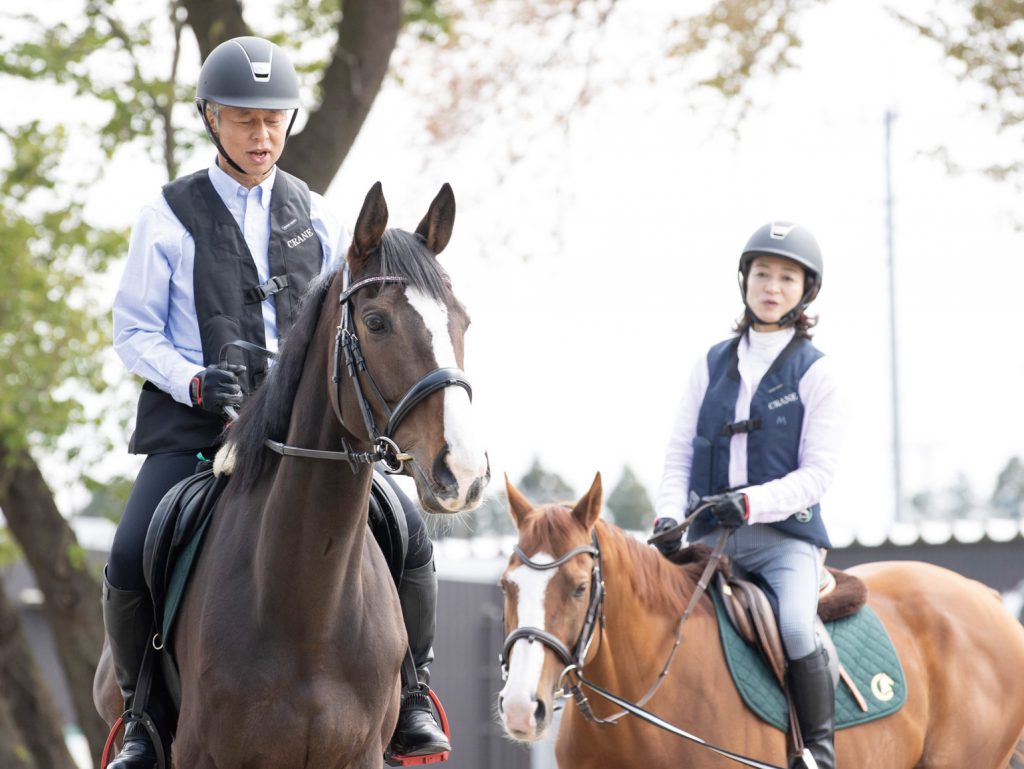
[
  {"x": 773, "y": 432},
  {"x": 229, "y": 297}
]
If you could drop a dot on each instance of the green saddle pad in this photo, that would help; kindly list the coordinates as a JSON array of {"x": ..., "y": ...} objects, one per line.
[
  {"x": 864, "y": 649},
  {"x": 179, "y": 579}
]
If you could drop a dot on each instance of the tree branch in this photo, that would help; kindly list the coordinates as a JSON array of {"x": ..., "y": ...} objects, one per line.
[
  {"x": 367, "y": 34},
  {"x": 214, "y": 21}
]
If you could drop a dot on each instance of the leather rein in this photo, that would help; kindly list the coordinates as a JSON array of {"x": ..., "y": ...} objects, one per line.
[
  {"x": 571, "y": 680},
  {"x": 347, "y": 349}
]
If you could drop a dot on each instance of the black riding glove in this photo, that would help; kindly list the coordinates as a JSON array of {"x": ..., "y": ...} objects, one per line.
[
  {"x": 731, "y": 509},
  {"x": 670, "y": 545},
  {"x": 214, "y": 387}
]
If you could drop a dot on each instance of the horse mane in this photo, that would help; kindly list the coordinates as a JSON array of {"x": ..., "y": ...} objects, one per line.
[
  {"x": 662, "y": 586},
  {"x": 268, "y": 412}
]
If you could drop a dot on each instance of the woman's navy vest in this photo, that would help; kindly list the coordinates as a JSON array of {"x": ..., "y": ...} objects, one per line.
[
  {"x": 773, "y": 432},
  {"x": 229, "y": 297}
]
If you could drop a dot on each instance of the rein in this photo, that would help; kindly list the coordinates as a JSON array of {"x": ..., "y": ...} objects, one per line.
[
  {"x": 572, "y": 678},
  {"x": 347, "y": 348}
]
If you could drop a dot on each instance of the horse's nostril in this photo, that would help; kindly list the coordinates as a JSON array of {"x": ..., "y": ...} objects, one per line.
[
  {"x": 539, "y": 712},
  {"x": 475, "y": 492},
  {"x": 501, "y": 704},
  {"x": 445, "y": 484}
]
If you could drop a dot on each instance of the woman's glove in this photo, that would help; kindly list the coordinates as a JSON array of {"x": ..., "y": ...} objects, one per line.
[
  {"x": 732, "y": 509},
  {"x": 214, "y": 387},
  {"x": 672, "y": 544}
]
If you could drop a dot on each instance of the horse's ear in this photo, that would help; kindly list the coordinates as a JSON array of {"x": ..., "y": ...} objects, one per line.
[
  {"x": 436, "y": 227},
  {"x": 518, "y": 507},
  {"x": 588, "y": 508},
  {"x": 373, "y": 219}
]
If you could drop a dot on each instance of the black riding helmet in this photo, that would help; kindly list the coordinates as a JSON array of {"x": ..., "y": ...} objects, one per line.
[
  {"x": 247, "y": 72},
  {"x": 790, "y": 241}
]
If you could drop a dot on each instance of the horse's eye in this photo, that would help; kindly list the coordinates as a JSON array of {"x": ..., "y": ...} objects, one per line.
[
  {"x": 580, "y": 590},
  {"x": 375, "y": 324}
]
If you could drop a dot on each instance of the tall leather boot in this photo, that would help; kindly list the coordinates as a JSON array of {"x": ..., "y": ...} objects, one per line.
[
  {"x": 127, "y": 616},
  {"x": 814, "y": 700},
  {"x": 417, "y": 732}
]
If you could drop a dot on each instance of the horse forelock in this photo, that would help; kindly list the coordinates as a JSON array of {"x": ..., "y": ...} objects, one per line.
[
  {"x": 404, "y": 254},
  {"x": 267, "y": 413},
  {"x": 551, "y": 529}
]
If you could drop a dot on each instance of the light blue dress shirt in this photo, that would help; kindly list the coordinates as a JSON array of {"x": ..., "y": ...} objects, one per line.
[{"x": 156, "y": 330}]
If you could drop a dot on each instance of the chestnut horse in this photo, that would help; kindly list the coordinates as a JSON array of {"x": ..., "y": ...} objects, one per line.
[
  {"x": 290, "y": 636},
  {"x": 962, "y": 654}
]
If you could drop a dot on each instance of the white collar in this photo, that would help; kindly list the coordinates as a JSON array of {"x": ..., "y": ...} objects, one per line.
[{"x": 228, "y": 188}]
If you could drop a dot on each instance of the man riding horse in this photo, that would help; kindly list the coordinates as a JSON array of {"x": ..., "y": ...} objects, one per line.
[{"x": 225, "y": 254}]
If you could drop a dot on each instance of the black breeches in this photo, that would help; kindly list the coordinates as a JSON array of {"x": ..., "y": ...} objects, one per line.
[{"x": 161, "y": 471}]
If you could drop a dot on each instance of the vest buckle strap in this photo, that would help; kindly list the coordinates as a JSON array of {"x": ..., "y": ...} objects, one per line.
[
  {"x": 266, "y": 290},
  {"x": 743, "y": 426}
]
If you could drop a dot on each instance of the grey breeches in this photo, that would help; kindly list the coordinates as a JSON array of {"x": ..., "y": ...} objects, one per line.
[{"x": 790, "y": 566}]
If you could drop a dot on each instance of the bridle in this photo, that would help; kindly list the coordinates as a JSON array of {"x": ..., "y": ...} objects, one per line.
[
  {"x": 595, "y": 612},
  {"x": 347, "y": 348},
  {"x": 571, "y": 677}
]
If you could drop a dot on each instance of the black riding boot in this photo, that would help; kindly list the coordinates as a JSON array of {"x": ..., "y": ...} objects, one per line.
[
  {"x": 127, "y": 616},
  {"x": 417, "y": 732},
  {"x": 814, "y": 700}
]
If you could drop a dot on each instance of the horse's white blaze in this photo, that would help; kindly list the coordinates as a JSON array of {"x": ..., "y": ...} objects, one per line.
[
  {"x": 519, "y": 696},
  {"x": 467, "y": 459}
]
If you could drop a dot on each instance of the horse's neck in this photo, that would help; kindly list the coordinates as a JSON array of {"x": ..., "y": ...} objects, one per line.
[
  {"x": 313, "y": 521},
  {"x": 646, "y": 598}
]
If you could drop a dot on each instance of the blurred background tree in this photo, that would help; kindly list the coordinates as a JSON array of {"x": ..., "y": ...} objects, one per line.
[{"x": 629, "y": 503}]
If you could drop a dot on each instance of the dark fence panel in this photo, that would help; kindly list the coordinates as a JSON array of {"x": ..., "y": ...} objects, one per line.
[
  {"x": 466, "y": 676},
  {"x": 998, "y": 564}
]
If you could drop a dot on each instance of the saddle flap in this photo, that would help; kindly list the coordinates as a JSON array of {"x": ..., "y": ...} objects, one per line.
[
  {"x": 178, "y": 515},
  {"x": 735, "y": 608},
  {"x": 387, "y": 523},
  {"x": 762, "y": 617}
]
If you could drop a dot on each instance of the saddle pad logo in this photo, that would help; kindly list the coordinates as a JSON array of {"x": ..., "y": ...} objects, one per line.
[
  {"x": 882, "y": 687},
  {"x": 804, "y": 516}
]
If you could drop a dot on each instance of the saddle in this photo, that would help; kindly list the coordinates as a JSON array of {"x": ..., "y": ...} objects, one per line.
[
  {"x": 756, "y": 659},
  {"x": 752, "y": 614}
]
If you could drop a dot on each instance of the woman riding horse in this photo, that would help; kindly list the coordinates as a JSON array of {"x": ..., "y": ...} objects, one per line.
[
  {"x": 755, "y": 435},
  {"x": 588, "y": 604}
]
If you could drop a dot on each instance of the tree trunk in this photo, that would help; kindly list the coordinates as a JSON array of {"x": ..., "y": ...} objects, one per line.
[
  {"x": 367, "y": 34},
  {"x": 72, "y": 596},
  {"x": 14, "y": 752},
  {"x": 30, "y": 725},
  {"x": 366, "y": 37}
]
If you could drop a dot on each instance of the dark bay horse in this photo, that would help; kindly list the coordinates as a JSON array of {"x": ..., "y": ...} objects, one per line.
[
  {"x": 290, "y": 635},
  {"x": 962, "y": 654}
]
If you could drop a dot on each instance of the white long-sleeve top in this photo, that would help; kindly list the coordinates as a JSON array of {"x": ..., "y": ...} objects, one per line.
[{"x": 819, "y": 435}]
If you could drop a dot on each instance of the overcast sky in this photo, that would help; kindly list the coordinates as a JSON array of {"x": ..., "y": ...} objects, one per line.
[{"x": 579, "y": 352}]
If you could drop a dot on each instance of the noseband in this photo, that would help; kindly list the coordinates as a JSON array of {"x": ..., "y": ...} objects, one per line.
[
  {"x": 346, "y": 347},
  {"x": 595, "y": 612}
]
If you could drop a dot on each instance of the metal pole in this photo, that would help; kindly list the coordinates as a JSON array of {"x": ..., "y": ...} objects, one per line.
[{"x": 897, "y": 469}]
